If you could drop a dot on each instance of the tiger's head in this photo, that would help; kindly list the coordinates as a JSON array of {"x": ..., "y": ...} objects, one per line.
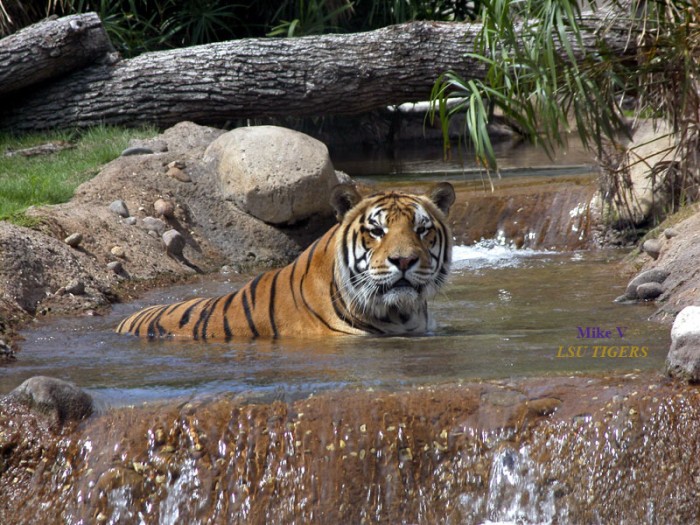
[{"x": 395, "y": 249}]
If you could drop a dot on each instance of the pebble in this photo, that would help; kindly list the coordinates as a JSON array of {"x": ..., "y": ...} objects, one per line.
[
  {"x": 649, "y": 291},
  {"x": 178, "y": 174},
  {"x": 136, "y": 150},
  {"x": 153, "y": 224},
  {"x": 153, "y": 233},
  {"x": 652, "y": 247},
  {"x": 74, "y": 240},
  {"x": 115, "y": 266},
  {"x": 75, "y": 287},
  {"x": 118, "y": 251},
  {"x": 119, "y": 207},
  {"x": 177, "y": 164},
  {"x": 174, "y": 242},
  {"x": 164, "y": 208},
  {"x": 130, "y": 221},
  {"x": 670, "y": 232}
]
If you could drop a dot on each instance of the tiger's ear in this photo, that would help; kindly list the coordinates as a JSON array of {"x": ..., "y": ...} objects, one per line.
[
  {"x": 443, "y": 196},
  {"x": 343, "y": 198}
]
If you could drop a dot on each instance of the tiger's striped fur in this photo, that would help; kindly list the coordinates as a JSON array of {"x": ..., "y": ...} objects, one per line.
[{"x": 371, "y": 274}]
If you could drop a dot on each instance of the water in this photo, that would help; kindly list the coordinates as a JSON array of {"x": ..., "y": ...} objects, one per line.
[{"x": 505, "y": 313}]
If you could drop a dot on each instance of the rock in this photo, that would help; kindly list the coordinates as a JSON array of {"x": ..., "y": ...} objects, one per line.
[
  {"x": 119, "y": 207},
  {"x": 115, "y": 266},
  {"x": 657, "y": 275},
  {"x": 58, "y": 399},
  {"x": 136, "y": 150},
  {"x": 75, "y": 287},
  {"x": 649, "y": 291},
  {"x": 275, "y": 174},
  {"x": 130, "y": 221},
  {"x": 683, "y": 360},
  {"x": 179, "y": 164},
  {"x": 652, "y": 247},
  {"x": 670, "y": 233},
  {"x": 74, "y": 240},
  {"x": 174, "y": 242},
  {"x": 153, "y": 224},
  {"x": 118, "y": 251},
  {"x": 178, "y": 174},
  {"x": 6, "y": 351},
  {"x": 164, "y": 208}
]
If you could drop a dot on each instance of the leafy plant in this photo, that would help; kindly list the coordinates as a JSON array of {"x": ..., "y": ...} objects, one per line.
[{"x": 541, "y": 78}]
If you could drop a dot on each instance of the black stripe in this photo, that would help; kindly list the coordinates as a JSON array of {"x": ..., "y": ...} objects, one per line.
[
  {"x": 248, "y": 316},
  {"x": 135, "y": 318},
  {"x": 291, "y": 283},
  {"x": 205, "y": 324},
  {"x": 271, "y": 310},
  {"x": 313, "y": 312},
  {"x": 155, "y": 324},
  {"x": 143, "y": 317},
  {"x": 186, "y": 316},
  {"x": 354, "y": 322},
  {"x": 202, "y": 315},
  {"x": 227, "y": 330},
  {"x": 229, "y": 300},
  {"x": 311, "y": 255},
  {"x": 330, "y": 237},
  {"x": 253, "y": 288}
]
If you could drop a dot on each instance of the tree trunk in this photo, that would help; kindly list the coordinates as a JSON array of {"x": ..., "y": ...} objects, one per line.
[
  {"x": 264, "y": 77},
  {"x": 51, "y": 48}
]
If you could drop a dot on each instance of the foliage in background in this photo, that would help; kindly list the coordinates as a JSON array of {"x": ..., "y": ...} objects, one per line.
[
  {"x": 52, "y": 179},
  {"x": 546, "y": 93},
  {"x": 136, "y": 26}
]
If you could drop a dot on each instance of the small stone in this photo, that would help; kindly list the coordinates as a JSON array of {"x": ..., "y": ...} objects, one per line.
[
  {"x": 179, "y": 164},
  {"x": 74, "y": 240},
  {"x": 115, "y": 266},
  {"x": 130, "y": 221},
  {"x": 652, "y": 247},
  {"x": 136, "y": 150},
  {"x": 178, "y": 174},
  {"x": 119, "y": 207},
  {"x": 657, "y": 275},
  {"x": 153, "y": 233},
  {"x": 164, "y": 208},
  {"x": 118, "y": 251},
  {"x": 174, "y": 242},
  {"x": 75, "y": 287},
  {"x": 670, "y": 233},
  {"x": 153, "y": 224},
  {"x": 56, "y": 398},
  {"x": 649, "y": 291}
]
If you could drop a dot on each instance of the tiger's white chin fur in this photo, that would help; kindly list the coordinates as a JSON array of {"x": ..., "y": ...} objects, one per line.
[{"x": 404, "y": 298}]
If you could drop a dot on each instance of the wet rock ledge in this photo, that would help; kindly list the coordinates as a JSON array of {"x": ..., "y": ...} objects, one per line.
[{"x": 562, "y": 450}]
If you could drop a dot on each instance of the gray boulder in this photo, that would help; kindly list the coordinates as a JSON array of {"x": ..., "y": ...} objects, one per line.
[
  {"x": 59, "y": 400},
  {"x": 649, "y": 291},
  {"x": 683, "y": 360},
  {"x": 657, "y": 275},
  {"x": 275, "y": 174}
]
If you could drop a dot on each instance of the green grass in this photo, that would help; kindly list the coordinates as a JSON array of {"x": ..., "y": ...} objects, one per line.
[{"x": 52, "y": 179}]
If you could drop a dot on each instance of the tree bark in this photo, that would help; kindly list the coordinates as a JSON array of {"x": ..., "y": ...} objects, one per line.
[
  {"x": 268, "y": 77},
  {"x": 51, "y": 48}
]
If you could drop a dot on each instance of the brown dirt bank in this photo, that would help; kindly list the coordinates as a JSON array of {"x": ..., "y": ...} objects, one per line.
[{"x": 605, "y": 449}]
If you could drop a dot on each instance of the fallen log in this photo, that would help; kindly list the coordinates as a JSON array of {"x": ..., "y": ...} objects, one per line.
[
  {"x": 51, "y": 48},
  {"x": 265, "y": 77}
]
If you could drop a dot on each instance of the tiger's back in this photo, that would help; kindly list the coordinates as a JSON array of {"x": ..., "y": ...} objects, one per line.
[{"x": 353, "y": 280}]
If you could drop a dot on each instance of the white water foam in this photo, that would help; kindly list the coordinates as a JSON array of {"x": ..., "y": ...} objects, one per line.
[{"x": 490, "y": 253}]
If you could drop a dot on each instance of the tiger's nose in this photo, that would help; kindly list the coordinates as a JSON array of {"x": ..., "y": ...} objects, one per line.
[{"x": 403, "y": 263}]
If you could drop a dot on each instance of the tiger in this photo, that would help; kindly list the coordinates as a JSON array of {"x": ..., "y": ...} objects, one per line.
[{"x": 371, "y": 273}]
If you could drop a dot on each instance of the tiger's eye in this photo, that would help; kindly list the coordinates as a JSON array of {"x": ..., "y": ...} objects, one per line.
[
  {"x": 420, "y": 230},
  {"x": 377, "y": 233}
]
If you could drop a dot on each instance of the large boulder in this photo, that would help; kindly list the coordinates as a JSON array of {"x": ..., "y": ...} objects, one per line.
[
  {"x": 275, "y": 174},
  {"x": 683, "y": 358},
  {"x": 59, "y": 400}
]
